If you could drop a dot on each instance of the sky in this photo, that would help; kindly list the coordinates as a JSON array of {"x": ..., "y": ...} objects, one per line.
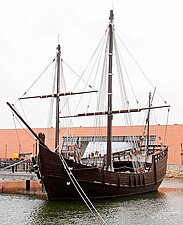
[{"x": 152, "y": 30}]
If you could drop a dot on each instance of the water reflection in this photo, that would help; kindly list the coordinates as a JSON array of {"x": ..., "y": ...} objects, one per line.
[
  {"x": 127, "y": 209},
  {"x": 59, "y": 212}
]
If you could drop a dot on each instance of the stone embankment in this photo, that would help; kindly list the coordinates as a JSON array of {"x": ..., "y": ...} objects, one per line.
[{"x": 174, "y": 171}]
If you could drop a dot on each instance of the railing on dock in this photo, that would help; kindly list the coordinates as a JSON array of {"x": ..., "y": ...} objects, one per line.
[{"x": 25, "y": 165}]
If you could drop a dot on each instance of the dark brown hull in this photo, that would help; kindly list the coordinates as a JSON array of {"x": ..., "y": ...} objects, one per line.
[{"x": 97, "y": 183}]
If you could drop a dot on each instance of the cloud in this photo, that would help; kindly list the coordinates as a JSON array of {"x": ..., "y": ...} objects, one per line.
[{"x": 152, "y": 30}]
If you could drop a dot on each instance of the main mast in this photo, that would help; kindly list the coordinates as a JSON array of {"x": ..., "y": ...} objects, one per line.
[
  {"x": 109, "y": 116},
  {"x": 57, "y": 100}
]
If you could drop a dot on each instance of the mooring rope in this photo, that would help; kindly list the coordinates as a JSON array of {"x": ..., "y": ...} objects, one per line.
[{"x": 81, "y": 192}]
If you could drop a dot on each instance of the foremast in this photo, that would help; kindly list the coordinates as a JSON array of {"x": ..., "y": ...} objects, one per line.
[{"x": 109, "y": 115}]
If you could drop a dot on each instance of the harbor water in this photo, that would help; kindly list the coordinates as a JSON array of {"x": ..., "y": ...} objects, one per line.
[{"x": 157, "y": 208}]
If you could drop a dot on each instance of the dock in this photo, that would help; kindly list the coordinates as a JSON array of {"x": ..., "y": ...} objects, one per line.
[{"x": 21, "y": 182}]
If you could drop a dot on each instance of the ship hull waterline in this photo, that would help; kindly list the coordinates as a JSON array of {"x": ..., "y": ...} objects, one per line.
[{"x": 95, "y": 182}]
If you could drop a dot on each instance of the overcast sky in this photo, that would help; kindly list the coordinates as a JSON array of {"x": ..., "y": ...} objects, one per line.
[{"x": 152, "y": 30}]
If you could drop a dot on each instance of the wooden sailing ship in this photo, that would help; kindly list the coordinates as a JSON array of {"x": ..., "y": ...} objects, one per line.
[{"x": 66, "y": 175}]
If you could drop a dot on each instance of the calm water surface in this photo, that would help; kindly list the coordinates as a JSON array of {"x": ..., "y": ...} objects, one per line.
[{"x": 164, "y": 207}]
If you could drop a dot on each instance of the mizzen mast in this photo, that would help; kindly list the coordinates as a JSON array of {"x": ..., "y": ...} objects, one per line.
[
  {"x": 57, "y": 99},
  {"x": 109, "y": 116}
]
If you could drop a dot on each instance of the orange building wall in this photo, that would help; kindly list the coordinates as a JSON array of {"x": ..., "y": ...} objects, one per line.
[{"x": 21, "y": 141}]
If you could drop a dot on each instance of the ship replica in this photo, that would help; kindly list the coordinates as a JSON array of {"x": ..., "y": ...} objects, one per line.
[{"x": 68, "y": 172}]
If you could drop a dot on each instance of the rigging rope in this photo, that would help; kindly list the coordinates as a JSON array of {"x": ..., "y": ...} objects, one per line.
[
  {"x": 50, "y": 112},
  {"x": 101, "y": 100},
  {"x": 97, "y": 67},
  {"x": 14, "y": 117},
  {"x": 51, "y": 103},
  {"x": 136, "y": 159},
  {"x": 38, "y": 78},
  {"x": 79, "y": 189},
  {"x": 30, "y": 88},
  {"x": 100, "y": 46},
  {"x": 119, "y": 56},
  {"x": 16, "y": 129},
  {"x": 166, "y": 125},
  {"x": 125, "y": 101},
  {"x": 140, "y": 68},
  {"x": 81, "y": 77},
  {"x": 66, "y": 108},
  {"x": 23, "y": 110}
]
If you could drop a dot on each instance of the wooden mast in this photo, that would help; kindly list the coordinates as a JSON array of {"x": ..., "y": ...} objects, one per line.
[
  {"x": 109, "y": 117},
  {"x": 148, "y": 120},
  {"x": 57, "y": 100}
]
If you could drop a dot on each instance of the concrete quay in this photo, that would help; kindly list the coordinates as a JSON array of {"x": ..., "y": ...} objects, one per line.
[
  {"x": 174, "y": 171},
  {"x": 21, "y": 182},
  {"x": 8, "y": 175}
]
